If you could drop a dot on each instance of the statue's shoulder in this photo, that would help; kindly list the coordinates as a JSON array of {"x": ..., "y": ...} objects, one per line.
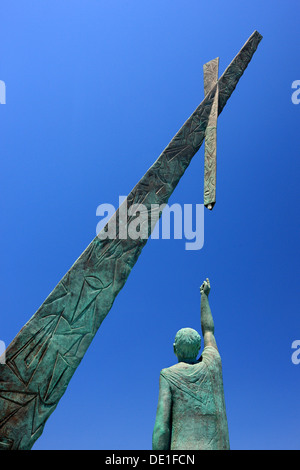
[
  {"x": 211, "y": 350},
  {"x": 210, "y": 355},
  {"x": 169, "y": 370}
]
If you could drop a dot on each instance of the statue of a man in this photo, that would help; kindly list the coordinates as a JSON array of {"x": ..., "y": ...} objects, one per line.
[{"x": 191, "y": 411}]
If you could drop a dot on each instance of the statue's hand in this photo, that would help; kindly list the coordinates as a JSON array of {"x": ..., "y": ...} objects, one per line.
[{"x": 205, "y": 288}]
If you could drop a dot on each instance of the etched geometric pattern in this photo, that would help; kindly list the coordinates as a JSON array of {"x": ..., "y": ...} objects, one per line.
[
  {"x": 44, "y": 355},
  {"x": 210, "y": 73}
]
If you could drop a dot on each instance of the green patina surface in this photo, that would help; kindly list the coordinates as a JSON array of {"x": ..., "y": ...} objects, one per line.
[
  {"x": 44, "y": 355},
  {"x": 191, "y": 412},
  {"x": 210, "y": 72}
]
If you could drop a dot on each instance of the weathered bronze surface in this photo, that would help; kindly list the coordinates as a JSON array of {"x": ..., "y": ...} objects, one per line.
[
  {"x": 43, "y": 357},
  {"x": 210, "y": 73},
  {"x": 191, "y": 411}
]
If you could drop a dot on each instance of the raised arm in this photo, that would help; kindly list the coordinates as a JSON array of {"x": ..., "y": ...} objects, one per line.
[
  {"x": 207, "y": 323},
  {"x": 161, "y": 438}
]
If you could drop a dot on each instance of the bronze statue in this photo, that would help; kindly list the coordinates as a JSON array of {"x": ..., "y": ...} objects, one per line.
[{"x": 191, "y": 411}]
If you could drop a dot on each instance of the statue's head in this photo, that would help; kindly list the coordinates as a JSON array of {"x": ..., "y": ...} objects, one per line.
[{"x": 187, "y": 345}]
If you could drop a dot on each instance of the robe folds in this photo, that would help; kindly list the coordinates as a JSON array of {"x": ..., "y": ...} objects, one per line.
[{"x": 199, "y": 420}]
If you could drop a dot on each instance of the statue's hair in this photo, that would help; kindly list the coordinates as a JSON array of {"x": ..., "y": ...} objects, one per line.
[{"x": 187, "y": 343}]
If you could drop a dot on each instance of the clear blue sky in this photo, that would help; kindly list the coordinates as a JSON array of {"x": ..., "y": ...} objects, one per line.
[{"x": 95, "y": 92}]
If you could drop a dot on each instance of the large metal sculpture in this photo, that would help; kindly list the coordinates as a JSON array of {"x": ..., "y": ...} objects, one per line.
[{"x": 44, "y": 355}]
